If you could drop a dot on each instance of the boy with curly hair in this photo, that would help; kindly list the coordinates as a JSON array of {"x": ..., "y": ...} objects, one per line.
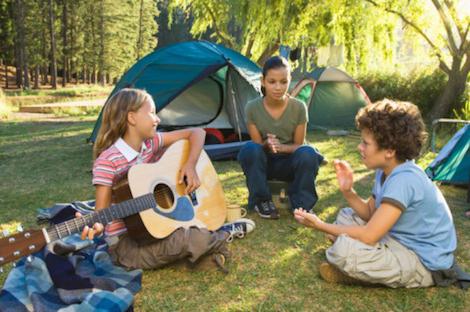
[{"x": 403, "y": 235}]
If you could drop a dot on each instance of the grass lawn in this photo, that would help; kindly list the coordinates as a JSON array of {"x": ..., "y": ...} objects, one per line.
[
  {"x": 274, "y": 268},
  {"x": 80, "y": 92}
]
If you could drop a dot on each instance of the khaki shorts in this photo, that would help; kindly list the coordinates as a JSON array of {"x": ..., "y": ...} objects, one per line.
[
  {"x": 191, "y": 244},
  {"x": 387, "y": 262}
]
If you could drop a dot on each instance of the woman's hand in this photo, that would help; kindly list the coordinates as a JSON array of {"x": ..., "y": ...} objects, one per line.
[
  {"x": 188, "y": 171},
  {"x": 306, "y": 218},
  {"x": 273, "y": 145},
  {"x": 97, "y": 229},
  {"x": 344, "y": 175}
]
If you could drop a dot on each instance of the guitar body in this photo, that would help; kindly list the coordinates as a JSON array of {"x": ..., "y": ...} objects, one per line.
[{"x": 204, "y": 208}]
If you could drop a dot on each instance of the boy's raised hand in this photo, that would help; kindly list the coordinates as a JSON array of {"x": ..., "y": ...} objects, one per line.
[{"x": 344, "y": 175}]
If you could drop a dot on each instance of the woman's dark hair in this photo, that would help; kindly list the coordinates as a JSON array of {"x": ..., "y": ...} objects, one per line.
[{"x": 274, "y": 62}]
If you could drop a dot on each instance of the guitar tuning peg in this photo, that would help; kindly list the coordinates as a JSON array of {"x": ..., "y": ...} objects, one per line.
[
  {"x": 29, "y": 259},
  {"x": 1, "y": 269},
  {"x": 5, "y": 232},
  {"x": 19, "y": 228},
  {"x": 14, "y": 264}
]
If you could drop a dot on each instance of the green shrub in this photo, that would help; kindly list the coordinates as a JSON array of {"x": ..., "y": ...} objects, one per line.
[
  {"x": 464, "y": 113},
  {"x": 421, "y": 88}
]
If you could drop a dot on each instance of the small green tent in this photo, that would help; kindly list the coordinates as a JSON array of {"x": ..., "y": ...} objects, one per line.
[{"x": 332, "y": 97}]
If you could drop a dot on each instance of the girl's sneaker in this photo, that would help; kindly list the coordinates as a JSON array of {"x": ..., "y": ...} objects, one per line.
[{"x": 238, "y": 228}]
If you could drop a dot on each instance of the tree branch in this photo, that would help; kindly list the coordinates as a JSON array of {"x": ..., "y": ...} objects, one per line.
[
  {"x": 453, "y": 14},
  {"x": 225, "y": 39},
  {"x": 466, "y": 66},
  {"x": 442, "y": 64},
  {"x": 448, "y": 27}
]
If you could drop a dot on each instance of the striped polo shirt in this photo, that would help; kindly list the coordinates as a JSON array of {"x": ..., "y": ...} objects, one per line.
[{"x": 113, "y": 164}]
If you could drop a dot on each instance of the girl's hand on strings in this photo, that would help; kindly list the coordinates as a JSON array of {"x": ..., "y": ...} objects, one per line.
[{"x": 90, "y": 232}]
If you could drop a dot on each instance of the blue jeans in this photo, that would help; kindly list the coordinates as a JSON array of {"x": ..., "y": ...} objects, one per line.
[{"x": 299, "y": 168}]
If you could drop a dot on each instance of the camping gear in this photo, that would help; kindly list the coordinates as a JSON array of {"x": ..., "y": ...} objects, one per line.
[
  {"x": 235, "y": 212},
  {"x": 452, "y": 164},
  {"x": 332, "y": 97},
  {"x": 196, "y": 84}
]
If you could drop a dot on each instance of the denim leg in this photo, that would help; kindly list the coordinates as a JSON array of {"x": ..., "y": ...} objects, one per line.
[
  {"x": 253, "y": 161},
  {"x": 305, "y": 163}
]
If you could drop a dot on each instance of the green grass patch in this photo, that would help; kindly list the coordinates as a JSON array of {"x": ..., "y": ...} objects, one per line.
[
  {"x": 77, "y": 111},
  {"x": 42, "y": 96},
  {"x": 273, "y": 269}
]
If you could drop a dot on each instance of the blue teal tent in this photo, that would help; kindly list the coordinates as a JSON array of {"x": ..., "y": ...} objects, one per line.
[
  {"x": 452, "y": 164},
  {"x": 197, "y": 84}
]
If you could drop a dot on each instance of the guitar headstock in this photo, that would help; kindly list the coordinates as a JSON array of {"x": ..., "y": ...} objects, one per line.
[{"x": 16, "y": 246}]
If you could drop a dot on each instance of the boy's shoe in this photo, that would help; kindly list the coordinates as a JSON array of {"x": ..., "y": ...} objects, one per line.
[
  {"x": 266, "y": 209},
  {"x": 238, "y": 228},
  {"x": 333, "y": 275}
]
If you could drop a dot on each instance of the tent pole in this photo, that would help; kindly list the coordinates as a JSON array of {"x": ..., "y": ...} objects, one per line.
[{"x": 236, "y": 115}]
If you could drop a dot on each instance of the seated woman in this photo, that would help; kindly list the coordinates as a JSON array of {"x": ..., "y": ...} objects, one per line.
[{"x": 277, "y": 126}]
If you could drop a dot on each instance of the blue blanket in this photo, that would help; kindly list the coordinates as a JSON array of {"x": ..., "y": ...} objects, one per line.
[{"x": 84, "y": 280}]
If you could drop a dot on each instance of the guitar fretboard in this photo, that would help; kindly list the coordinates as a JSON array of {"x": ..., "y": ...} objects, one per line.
[{"x": 104, "y": 216}]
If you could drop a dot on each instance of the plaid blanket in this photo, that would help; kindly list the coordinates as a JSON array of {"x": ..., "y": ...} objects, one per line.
[{"x": 85, "y": 280}]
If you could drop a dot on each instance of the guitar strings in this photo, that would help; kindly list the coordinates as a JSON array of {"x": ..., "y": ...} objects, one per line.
[{"x": 164, "y": 192}]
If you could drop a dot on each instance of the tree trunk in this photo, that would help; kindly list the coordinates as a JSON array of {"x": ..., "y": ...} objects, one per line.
[
  {"x": 64, "y": 44},
  {"x": 267, "y": 53},
  {"x": 94, "y": 76},
  {"x": 101, "y": 61},
  {"x": 36, "y": 77},
  {"x": 6, "y": 76},
  {"x": 449, "y": 98},
  {"x": 20, "y": 46},
  {"x": 72, "y": 53},
  {"x": 53, "y": 47}
]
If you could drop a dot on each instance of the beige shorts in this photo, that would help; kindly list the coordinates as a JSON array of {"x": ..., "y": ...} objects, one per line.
[
  {"x": 387, "y": 262},
  {"x": 191, "y": 244}
]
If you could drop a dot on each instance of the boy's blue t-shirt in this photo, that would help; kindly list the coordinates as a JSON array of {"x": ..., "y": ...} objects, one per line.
[{"x": 425, "y": 225}]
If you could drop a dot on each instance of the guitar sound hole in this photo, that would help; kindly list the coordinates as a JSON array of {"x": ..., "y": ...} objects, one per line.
[{"x": 164, "y": 196}]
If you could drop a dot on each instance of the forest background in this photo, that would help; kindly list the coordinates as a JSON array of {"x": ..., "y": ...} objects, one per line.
[{"x": 414, "y": 50}]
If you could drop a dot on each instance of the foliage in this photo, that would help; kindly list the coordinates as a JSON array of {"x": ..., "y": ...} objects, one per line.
[
  {"x": 274, "y": 268},
  {"x": 420, "y": 87},
  {"x": 449, "y": 43},
  {"x": 94, "y": 39},
  {"x": 258, "y": 28},
  {"x": 464, "y": 114}
]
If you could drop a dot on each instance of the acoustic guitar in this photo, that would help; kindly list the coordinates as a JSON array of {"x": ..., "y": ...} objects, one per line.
[{"x": 157, "y": 208}]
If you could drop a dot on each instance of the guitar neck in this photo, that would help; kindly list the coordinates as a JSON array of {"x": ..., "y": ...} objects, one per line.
[{"x": 104, "y": 216}]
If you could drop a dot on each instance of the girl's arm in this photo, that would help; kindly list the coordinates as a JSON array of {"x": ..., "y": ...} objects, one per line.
[
  {"x": 195, "y": 136},
  {"x": 103, "y": 200},
  {"x": 380, "y": 224}
]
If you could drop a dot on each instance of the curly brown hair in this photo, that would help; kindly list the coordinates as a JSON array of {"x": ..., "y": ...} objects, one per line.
[{"x": 394, "y": 125}]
